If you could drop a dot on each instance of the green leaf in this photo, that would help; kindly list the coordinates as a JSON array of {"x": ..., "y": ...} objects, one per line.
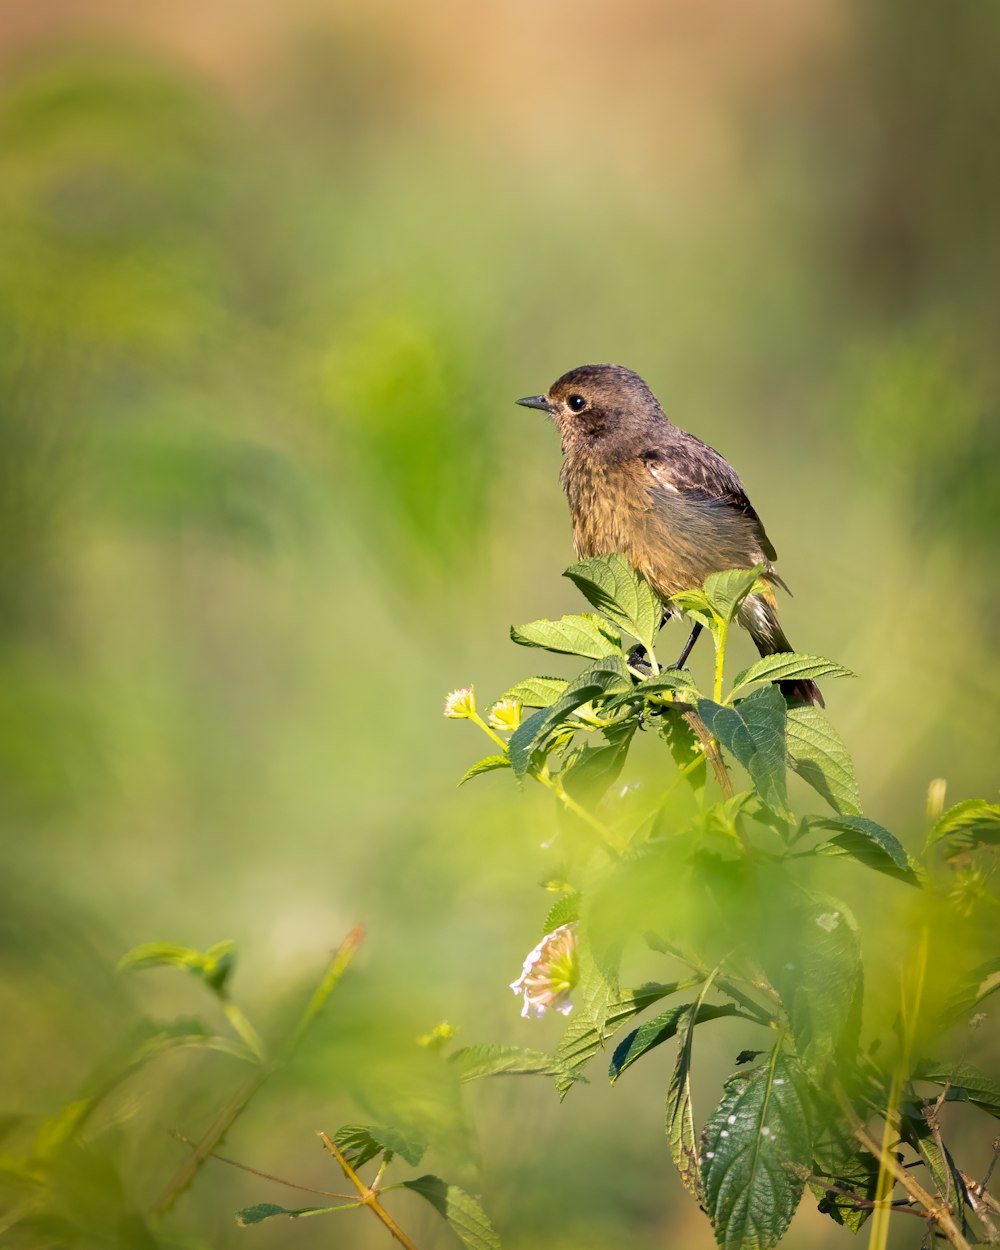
[
  {"x": 587, "y": 635},
  {"x": 816, "y": 969},
  {"x": 595, "y": 768},
  {"x": 563, "y": 911},
  {"x": 537, "y": 691},
  {"x": 964, "y": 1084},
  {"x": 473, "y": 1062},
  {"x": 607, "y": 677},
  {"x": 680, "y": 1117},
  {"x": 968, "y": 824},
  {"x": 488, "y": 764},
  {"x": 465, "y": 1216},
  {"x": 586, "y": 1035},
  {"x": 786, "y": 666},
  {"x": 695, "y": 604},
  {"x": 752, "y": 1151},
  {"x": 213, "y": 965},
  {"x": 612, "y": 586},
  {"x": 840, "y": 1163},
  {"x": 818, "y": 754},
  {"x": 667, "y": 681},
  {"x": 261, "y": 1211},
  {"x": 660, "y": 1029},
  {"x": 754, "y": 733},
  {"x": 864, "y": 840},
  {"x": 684, "y": 746},
  {"x": 726, "y": 591},
  {"x": 360, "y": 1143}
]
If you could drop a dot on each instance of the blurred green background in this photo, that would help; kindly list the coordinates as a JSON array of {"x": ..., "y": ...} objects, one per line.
[{"x": 270, "y": 280}]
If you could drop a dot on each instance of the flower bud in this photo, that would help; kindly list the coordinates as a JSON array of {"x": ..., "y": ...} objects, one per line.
[{"x": 460, "y": 704}]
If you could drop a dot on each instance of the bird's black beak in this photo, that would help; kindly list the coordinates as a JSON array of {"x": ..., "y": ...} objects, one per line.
[{"x": 536, "y": 401}]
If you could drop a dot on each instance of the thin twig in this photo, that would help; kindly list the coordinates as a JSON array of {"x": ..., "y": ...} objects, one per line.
[
  {"x": 267, "y": 1176},
  {"x": 369, "y": 1196}
]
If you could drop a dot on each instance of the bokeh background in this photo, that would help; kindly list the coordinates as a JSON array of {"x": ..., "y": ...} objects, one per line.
[{"x": 271, "y": 276}]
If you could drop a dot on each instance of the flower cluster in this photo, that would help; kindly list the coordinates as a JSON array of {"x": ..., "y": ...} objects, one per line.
[{"x": 549, "y": 974}]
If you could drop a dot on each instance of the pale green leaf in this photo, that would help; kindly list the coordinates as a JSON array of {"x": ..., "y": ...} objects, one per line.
[
  {"x": 465, "y": 1216},
  {"x": 488, "y": 764},
  {"x": 787, "y": 666},
  {"x": 968, "y": 824},
  {"x": 537, "y": 691},
  {"x": 588, "y": 635},
  {"x": 473, "y": 1062},
  {"x": 818, "y": 754},
  {"x": 726, "y": 591},
  {"x": 610, "y": 584}
]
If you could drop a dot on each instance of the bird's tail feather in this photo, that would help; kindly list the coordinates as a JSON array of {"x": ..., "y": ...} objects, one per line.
[{"x": 759, "y": 616}]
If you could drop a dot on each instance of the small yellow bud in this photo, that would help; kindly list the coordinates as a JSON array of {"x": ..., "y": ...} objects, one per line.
[{"x": 505, "y": 715}]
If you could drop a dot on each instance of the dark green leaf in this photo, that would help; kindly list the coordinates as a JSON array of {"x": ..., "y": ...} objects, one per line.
[
  {"x": 607, "y": 677},
  {"x": 684, "y": 746},
  {"x": 595, "y": 768},
  {"x": 964, "y": 1084},
  {"x": 362, "y": 1142},
  {"x": 465, "y": 1216},
  {"x": 840, "y": 1163},
  {"x": 726, "y": 591},
  {"x": 869, "y": 843},
  {"x": 968, "y": 824},
  {"x": 537, "y": 691},
  {"x": 261, "y": 1211},
  {"x": 612, "y": 586},
  {"x": 756, "y": 1151},
  {"x": 667, "y": 681},
  {"x": 754, "y": 733},
  {"x": 818, "y": 754},
  {"x": 786, "y": 666},
  {"x": 473, "y": 1062},
  {"x": 487, "y": 765},
  {"x": 658, "y": 1030},
  {"x": 585, "y": 1035},
  {"x": 586, "y": 635}
]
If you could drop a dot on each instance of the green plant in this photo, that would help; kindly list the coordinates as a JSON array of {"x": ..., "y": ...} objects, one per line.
[{"x": 724, "y": 882}]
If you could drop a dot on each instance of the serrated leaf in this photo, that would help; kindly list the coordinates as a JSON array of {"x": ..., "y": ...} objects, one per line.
[
  {"x": 964, "y": 1084},
  {"x": 660, "y": 1029},
  {"x": 488, "y": 764},
  {"x": 684, "y": 745},
  {"x": 585, "y": 1036},
  {"x": 756, "y": 1151},
  {"x": 360, "y": 1143},
  {"x": 474, "y": 1062},
  {"x": 818, "y": 754},
  {"x": 610, "y": 584},
  {"x": 465, "y": 1216},
  {"x": 563, "y": 911},
  {"x": 754, "y": 733},
  {"x": 213, "y": 965},
  {"x": 586, "y": 635},
  {"x": 607, "y": 677},
  {"x": 787, "y": 666},
  {"x": 679, "y": 1114},
  {"x": 726, "y": 591},
  {"x": 537, "y": 691},
  {"x": 968, "y": 824},
  {"x": 695, "y": 604},
  {"x": 917, "y": 1132},
  {"x": 261, "y": 1211},
  {"x": 869, "y": 843}
]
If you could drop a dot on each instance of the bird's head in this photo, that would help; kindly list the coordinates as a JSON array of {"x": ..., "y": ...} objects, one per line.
[{"x": 598, "y": 403}]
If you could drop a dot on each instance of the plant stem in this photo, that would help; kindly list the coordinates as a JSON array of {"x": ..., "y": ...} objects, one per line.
[
  {"x": 369, "y": 1197},
  {"x": 559, "y": 790},
  {"x": 478, "y": 720},
  {"x": 720, "y": 658}
]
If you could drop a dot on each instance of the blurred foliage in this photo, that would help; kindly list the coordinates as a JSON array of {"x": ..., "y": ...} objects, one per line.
[{"x": 267, "y": 290}]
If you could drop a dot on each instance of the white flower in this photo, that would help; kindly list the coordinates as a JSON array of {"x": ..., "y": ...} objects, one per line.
[
  {"x": 460, "y": 704},
  {"x": 549, "y": 974}
]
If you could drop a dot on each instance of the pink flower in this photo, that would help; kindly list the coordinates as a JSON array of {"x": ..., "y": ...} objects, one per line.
[{"x": 549, "y": 974}]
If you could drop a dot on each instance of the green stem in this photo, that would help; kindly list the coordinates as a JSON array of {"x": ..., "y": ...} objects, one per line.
[
  {"x": 720, "y": 659},
  {"x": 478, "y": 720},
  {"x": 559, "y": 790},
  {"x": 245, "y": 1030}
]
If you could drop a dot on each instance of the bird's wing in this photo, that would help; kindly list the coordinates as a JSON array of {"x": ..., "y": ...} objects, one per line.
[{"x": 690, "y": 468}]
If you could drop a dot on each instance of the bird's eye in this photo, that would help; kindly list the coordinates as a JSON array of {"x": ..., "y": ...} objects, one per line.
[{"x": 576, "y": 403}]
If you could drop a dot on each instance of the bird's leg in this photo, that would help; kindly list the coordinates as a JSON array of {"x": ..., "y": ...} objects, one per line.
[
  {"x": 639, "y": 660},
  {"x": 688, "y": 646}
]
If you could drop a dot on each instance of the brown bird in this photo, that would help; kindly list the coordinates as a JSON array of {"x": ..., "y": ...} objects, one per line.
[{"x": 638, "y": 484}]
